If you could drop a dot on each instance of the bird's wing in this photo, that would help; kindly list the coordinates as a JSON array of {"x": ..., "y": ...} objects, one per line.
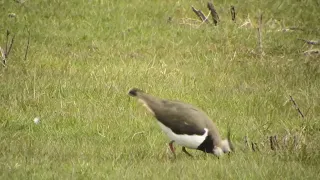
[{"x": 183, "y": 119}]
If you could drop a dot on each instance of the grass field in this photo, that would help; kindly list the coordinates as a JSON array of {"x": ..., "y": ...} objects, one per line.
[{"x": 84, "y": 56}]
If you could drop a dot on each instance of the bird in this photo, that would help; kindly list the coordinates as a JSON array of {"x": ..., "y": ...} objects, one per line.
[{"x": 185, "y": 125}]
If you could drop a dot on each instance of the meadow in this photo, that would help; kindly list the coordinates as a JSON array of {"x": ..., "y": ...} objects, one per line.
[{"x": 84, "y": 55}]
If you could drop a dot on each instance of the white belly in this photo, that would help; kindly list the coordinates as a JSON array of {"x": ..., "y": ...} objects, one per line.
[{"x": 189, "y": 141}]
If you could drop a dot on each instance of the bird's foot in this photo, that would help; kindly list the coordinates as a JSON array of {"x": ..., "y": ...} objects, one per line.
[
  {"x": 185, "y": 151},
  {"x": 172, "y": 148}
]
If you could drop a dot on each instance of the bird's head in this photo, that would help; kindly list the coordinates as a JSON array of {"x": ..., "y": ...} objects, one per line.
[
  {"x": 142, "y": 98},
  {"x": 226, "y": 146},
  {"x": 134, "y": 92},
  {"x": 217, "y": 151}
]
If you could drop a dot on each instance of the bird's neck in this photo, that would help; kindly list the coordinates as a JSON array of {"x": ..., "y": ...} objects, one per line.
[{"x": 151, "y": 103}]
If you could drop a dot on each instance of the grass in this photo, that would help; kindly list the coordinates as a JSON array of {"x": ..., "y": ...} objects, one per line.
[{"x": 85, "y": 55}]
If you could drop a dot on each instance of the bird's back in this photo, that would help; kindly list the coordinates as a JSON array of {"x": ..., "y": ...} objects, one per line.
[{"x": 187, "y": 118}]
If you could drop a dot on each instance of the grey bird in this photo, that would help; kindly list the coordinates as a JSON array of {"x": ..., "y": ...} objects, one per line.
[{"x": 185, "y": 125}]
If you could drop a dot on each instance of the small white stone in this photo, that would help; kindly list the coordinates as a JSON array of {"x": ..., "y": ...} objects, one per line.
[
  {"x": 12, "y": 15},
  {"x": 36, "y": 120}
]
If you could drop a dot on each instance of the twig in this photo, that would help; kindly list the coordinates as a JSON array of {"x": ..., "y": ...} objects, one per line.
[
  {"x": 295, "y": 28},
  {"x": 27, "y": 49},
  {"x": 101, "y": 134},
  {"x": 272, "y": 143},
  {"x": 6, "y": 50},
  {"x": 285, "y": 141},
  {"x": 295, "y": 141},
  {"x": 141, "y": 132},
  {"x": 10, "y": 46},
  {"x": 259, "y": 35},
  {"x": 3, "y": 57},
  {"x": 292, "y": 29},
  {"x": 312, "y": 52},
  {"x": 200, "y": 15},
  {"x": 5, "y": 53},
  {"x": 296, "y": 106},
  {"x": 254, "y": 146},
  {"x": 275, "y": 140},
  {"x": 246, "y": 142},
  {"x": 233, "y": 13},
  {"x": 312, "y": 42},
  {"x": 214, "y": 13}
]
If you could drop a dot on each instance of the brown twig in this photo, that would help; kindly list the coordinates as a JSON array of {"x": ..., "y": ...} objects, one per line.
[
  {"x": 214, "y": 13},
  {"x": 295, "y": 142},
  {"x": 292, "y": 29},
  {"x": 246, "y": 142},
  {"x": 312, "y": 42},
  {"x": 275, "y": 139},
  {"x": 11, "y": 43},
  {"x": 233, "y": 13},
  {"x": 10, "y": 46},
  {"x": 254, "y": 146},
  {"x": 272, "y": 143},
  {"x": 5, "y": 53},
  {"x": 6, "y": 50},
  {"x": 27, "y": 49},
  {"x": 200, "y": 15},
  {"x": 312, "y": 52},
  {"x": 296, "y": 106},
  {"x": 260, "y": 35},
  {"x": 285, "y": 141},
  {"x": 3, "y": 57}
]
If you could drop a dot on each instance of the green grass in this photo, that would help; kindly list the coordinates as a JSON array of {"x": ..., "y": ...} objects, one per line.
[{"x": 85, "y": 55}]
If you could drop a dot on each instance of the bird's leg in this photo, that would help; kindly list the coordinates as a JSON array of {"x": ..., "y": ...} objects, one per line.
[
  {"x": 185, "y": 151},
  {"x": 172, "y": 148}
]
